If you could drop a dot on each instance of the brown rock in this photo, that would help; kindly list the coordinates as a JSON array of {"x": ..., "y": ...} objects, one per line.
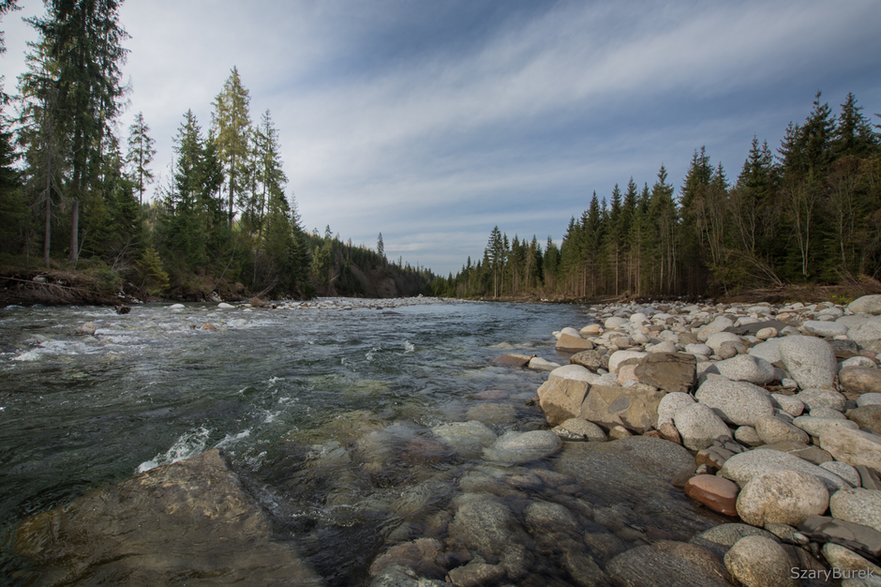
[
  {"x": 209, "y": 327},
  {"x": 856, "y": 537},
  {"x": 188, "y": 519},
  {"x": 668, "y": 432},
  {"x": 667, "y": 371},
  {"x": 867, "y": 417},
  {"x": 512, "y": 360},
  {"x": 561, "y": 399},
  {"x": 635, "y": 408},
  {"x": 860, "y": 379},
  {"x": 717, "y": 493},
  {"x": 573, "y": 344},
  {"x": 593, "y": 360}
]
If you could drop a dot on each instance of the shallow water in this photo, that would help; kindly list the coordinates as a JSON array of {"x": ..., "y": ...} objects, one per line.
[{"x": 323, "y": 410}]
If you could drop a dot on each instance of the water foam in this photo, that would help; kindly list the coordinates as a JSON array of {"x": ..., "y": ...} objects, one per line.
[{"x": 190, "y": 443}]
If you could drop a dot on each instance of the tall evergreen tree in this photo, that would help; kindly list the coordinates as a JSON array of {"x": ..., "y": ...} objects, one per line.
[
  {"x": 231, "y": 125},
  {"x": 141, "y": 150},
  {"x": 81, "y": 45}
]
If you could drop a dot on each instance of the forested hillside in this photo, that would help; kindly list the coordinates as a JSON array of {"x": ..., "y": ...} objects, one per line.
[
  {"x": 809, "y": 213},
  {"x": 73, "y": 193}
]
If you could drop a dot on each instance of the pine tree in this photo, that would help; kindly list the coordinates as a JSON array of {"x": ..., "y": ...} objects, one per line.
[
  {"x": 141, "y": 150},
  {"x": 81, "y": 45},
  {"x": 231, "y": 125}
]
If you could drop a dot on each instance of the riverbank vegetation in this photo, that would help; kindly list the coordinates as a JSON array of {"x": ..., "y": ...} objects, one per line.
[
  {"x": 808, "y": 214},
  {"x": 72, "y": 191}
]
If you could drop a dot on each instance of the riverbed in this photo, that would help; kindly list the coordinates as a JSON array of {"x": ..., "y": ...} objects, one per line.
[{"x": 326, "y": 411}]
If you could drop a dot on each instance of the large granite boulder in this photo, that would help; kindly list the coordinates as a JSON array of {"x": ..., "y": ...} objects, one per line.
[
  {"x": 782, "y": 497},
  {"x": 860, "y": 380},
  {"x": 810, "y": 361},
  {"x": 870, "y": 304},
  {"x": 699, "y": 426},
  {"x": 737, "y": 402},
  {"x": 858, "y": 505},
  {"x": 743, "y": 467},
  {"x": 759, "y": 561}
]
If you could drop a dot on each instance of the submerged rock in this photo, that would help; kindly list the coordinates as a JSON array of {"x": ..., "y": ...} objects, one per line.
[
  {"x": 522, "y": 447},
  {"x": 667, "y": 563},
  {"x": 188, "y": 519}
]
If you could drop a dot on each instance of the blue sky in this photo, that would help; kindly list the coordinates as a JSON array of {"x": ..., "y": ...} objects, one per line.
[{"x": 432, "y": 121}]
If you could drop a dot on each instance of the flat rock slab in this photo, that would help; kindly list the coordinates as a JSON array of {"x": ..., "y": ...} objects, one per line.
[
  {"x": 188, "y": 519},
  {"x": 638, "y": 473},
  {"x": 668, "y": 563}
]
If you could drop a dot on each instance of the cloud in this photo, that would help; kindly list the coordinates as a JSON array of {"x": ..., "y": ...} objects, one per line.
[{"x": 444, "y": 119}]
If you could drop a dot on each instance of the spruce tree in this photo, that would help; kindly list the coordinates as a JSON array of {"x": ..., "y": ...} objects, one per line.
[
  {"x": 231, "y": 126},
  {"x": 141, "y": 150}
]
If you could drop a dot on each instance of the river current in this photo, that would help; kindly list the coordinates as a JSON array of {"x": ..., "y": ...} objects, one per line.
[{"x": 323, "y": 409}]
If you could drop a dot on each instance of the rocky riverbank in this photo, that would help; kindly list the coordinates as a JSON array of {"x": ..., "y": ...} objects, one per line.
[{"x": 780, "y": 406}]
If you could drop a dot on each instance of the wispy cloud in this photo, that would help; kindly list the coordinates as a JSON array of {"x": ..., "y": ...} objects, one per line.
[{"x": 434, "y": 122}]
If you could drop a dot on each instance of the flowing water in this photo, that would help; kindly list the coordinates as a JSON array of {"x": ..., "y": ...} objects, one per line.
[{"x": 323, "y": 410}]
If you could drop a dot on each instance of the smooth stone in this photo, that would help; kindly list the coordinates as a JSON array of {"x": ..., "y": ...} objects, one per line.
[
  {"x": 615, "y": 323},
  {"x": 522, "y": 447},
  {"x": 743, "y": 467},
  {"x": 86, "y": 329},
  {"x": 591, "y": 330},
  {"x": 634, "y": 407},
  {"x": 717, "y": 493},
  {"x": 512, "y": 360},
  {"x": 667, "y": 563},
  {"x": 699, "y": 426},
  {"x": 636, "y": 474},
  {"x": 865, "y": 331},
  {"x": 843, "y": 470},
  {"x": 698, "y": 349},
  {"x": 857, "y": 537},
  {"x": 860, "y": 379},
  {"x": 857, "y": 505},
  {"x": 757, "y": 561},
  {"x": 826, "y": 329},
  {"x": 670, "y": 403},
  {"x": 772, "y": 430},
  {"x": 868, "y": 304},
  {"x": 869, "y": 399},
  {"x": 867, "y": 417},
  {"x": 728, "y": 534},
  {"x": 539, "y": 364},
  {"x": 593, "y": 360},
  {"x": 738, "y": 402},
  {"x": 715, "y": 341},
  {"x": 768, "y": 350},
  {"x": 666, "y": 346},
  {"x": 822, "y": 398},
  {"x": 569, "y": 343},
  {"x": 782, "y": 497},
  {"x": 573, "y": 373},
  {"x": 816, "y": 426},
  {"x": 746, "y": 368},
  {"x": 418, "y": 555},
  {"x": 225, "y": 306},
  {"x": 826, "y": 413},
  {"x": 718, "y": 324},
  {"x": 748, "y": 436},
  {"x": 849, "y": 563},
  {"x": 789, "y": 404},
  {"x": 468, "y": 439},
  {"x": 669, "y": 371},
  {"x": 857, "y": 361},
  {"x": 810, "y": 453},
  {"x": 492, "y": 413},
  {"x": 766, "y": 333},
  {"x": 668, "y": 431},
  {"x": 810, "y": 361},
  {"x": 579, "y": 429},
  {"x": 854, "y": 447},
  {"x": 176, "y": 307},
  {"x": 485, "y": 526}
]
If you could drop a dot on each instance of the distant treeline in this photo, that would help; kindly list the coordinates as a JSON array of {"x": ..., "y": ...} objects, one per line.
[
  {"x": 811, "y": 213},
  {"x": 72, "y": 195}
]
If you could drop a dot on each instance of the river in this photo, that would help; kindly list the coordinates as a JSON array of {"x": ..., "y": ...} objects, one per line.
[{"x": 273, "y": 389}]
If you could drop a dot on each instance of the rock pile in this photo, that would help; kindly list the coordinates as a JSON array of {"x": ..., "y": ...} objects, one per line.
[{"x": 781, "y": 406}]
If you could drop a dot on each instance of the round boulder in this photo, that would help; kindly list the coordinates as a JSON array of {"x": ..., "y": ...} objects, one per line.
[
  {"x": 809, "y": 360},
  {"x": 782, "y": 497},
  {"x": 758, "y": 561}
]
